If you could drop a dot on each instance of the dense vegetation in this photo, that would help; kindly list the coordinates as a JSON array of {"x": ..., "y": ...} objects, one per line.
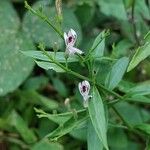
[{"x": 54, "y": 96}]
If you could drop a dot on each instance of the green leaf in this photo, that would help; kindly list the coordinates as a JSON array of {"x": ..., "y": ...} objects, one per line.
[
  {"x": 73, "y": 123},
  {"x": 142, "y": 9},
  {"x": 80, "y": 133},
  {"x": 117, "y": 139},
  {"x": 60, "y": 56},
  {"x": 111, "y": 9},
  {"x": 33, "y": 25},
  {"x": 34, "y": 97},
  {"x": 16, "y": 121},
  {"x": 130, "y": 113},
  {"x": 145, "y": 128},
  {"x": 14, "y": 67},
  {"x": 57, "y": 118},
  {"x": 140, "y": 89},
  {"x": 36, "y": 83},
  {"x": 49, "y": 66},
  {"x": 60, "y": 87},
  {"x": 139, "y": 98},
  {"x": 93, "y": 140},
  {"x": 9, "y": 22},
  {"x": 46, "y": 145},
  {"x": 141, "y": 53},
  {"x": 116, "y": 73},
  {"x": 97, "y": 115},
  {"x": 85, "y": 12},
  {"x": 99, "y": 45},
  {"x": 122, "y": 48}
]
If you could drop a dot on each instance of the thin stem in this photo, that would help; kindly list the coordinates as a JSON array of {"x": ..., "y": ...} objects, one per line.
[
  {"x": 134, "y": 24},
  {"x": 44, "y": 17},
  {"x": 79, "y": 75}
]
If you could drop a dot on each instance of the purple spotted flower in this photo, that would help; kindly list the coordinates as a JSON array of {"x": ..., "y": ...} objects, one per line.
[
  {"x": 84, "y": 88},
  {"x": 70, "y": 40}
]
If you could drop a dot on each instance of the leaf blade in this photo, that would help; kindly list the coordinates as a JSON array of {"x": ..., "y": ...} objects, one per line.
[
  {"x": 141, "y": 53},
  {"x": 97, "y": 115},
  {"x": 116, "y": 73}
]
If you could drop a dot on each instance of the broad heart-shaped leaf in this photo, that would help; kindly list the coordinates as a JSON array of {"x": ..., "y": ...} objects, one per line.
[
  {"x": 40, "y": 31},
  {"x": 93, "y": 140},
  {"x": 116, "y": 73},
  {"x": 59, "y": 56},
  {"x": 14, "y": 66},
  {"x": 9, "y": 22},
  {"x": 111, "y": 8},
  {"x": 99, "y": 45},
  {"x": 97, "y": 115},
  {"x": 47, "y": 145},
  {"x": 19, "y": 124},
  {"x": 47, "y": 65},
  {"x": 141, "y": 53}
]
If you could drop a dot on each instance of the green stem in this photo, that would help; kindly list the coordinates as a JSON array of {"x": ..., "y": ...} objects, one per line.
[
  {"x": 42, "y": 16},
  {"x": 79, "y": 75}
]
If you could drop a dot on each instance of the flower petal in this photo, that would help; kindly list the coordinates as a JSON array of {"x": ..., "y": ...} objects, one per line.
[
  {"x": 66, "y": 38},
  {"x": 80, "y": 87},
  {"x": 73, "y": 32},
  {"x": 87, "y": 84},
  {"x": 74, "y": 50}
]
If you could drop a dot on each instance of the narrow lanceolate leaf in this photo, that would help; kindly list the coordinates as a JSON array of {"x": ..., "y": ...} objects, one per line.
[
  {"x": 97, "y": 115},
  {"x": 93, "y": 140},
  {"x": 116, "y": 74},
  {"x": 59, "y": 56},
  {"x": 139, "y": 99},
  {"x": 145, "y": 128},
  {"x": 140, "y": 89},
  {"x": 99, "y": 45},
  {"x": 20, "y": 125},
  {"x": 141, "y": 53},
  {"x": 48, "y": 65},
  {"x": 47, "y": 145}
]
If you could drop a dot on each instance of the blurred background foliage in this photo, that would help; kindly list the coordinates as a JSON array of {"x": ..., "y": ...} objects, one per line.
[{"x": 24, "y": 86}]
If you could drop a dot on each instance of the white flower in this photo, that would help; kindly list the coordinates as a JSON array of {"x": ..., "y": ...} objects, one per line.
[
  {"x": 84, "y": 88},
  {"x": 70, "y": 40}
]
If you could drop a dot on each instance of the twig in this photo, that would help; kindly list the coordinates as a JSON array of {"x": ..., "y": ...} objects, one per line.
[
  {"x": 134, "y": 24},
  {"x": 44, "y": 17}
]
